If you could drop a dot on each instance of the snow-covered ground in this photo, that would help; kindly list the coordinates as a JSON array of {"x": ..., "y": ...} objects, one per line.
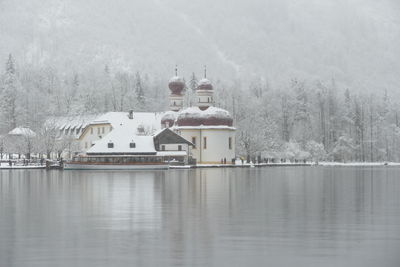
[
  {"x": 325, "y": 164},
  {"x": 359, "y": 164}
]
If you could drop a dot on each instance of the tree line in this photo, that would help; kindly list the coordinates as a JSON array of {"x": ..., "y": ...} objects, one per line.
[{"x": 303, "y": 119}]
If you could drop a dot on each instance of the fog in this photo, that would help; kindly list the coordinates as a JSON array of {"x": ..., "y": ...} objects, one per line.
[{"x": 355, "y": 42}]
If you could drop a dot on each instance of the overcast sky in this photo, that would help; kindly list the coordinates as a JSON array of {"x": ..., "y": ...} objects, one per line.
[{"x": 357, "y": 42}]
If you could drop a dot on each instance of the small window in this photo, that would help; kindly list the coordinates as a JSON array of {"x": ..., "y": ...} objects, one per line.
[
  {"x": 132, "y": 145},
  {"x": 98, "y": 130},
  {"x": 205, "y": 142},
  {"x": 194, "y": 141},
  {"x": 102, "y": 130},
  {"x": 91, "y": 130},
  {"x": 179, "y": 148},
  {"x": 230, "y": 142},
  {"x": 110, "y": 145},
  {"x": 163, "y": 147}
]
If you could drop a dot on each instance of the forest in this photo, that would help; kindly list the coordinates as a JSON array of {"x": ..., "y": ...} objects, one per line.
[{"x": 302, "y": 119}]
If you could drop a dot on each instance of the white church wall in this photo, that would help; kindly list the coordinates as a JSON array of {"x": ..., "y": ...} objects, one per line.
[{"x": 217, "y": 147}]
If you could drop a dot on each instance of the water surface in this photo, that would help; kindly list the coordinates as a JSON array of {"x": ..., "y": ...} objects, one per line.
[{"x": 293, "y": 216}]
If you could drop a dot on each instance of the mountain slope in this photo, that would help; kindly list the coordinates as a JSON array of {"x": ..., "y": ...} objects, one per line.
[{"x": 356, "y": 42}]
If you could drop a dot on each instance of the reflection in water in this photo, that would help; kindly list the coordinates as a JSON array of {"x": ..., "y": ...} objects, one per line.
[{"x": 204, "y": 217}]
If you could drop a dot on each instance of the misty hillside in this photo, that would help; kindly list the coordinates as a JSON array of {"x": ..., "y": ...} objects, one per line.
[{"x": 356, "y": 42}]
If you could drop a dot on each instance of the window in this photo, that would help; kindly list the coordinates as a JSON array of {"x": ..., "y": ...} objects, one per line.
[
  {"x": 204, "y": 142},
  {"x": 163, "y": 147},
  {"x": 194, "y": 141},
  {"x": 91, "y": 130},
  {"x": 230, "y": 142},
  {"x": 132, "y": 145},
  {"x": 179, "y": 148},
  {"x": 98, "y": 130},
  {"x": 110, "y": 145},
  {"x": 102, "y": 130}
]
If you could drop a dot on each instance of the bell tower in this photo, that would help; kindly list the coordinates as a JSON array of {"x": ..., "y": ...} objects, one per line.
[
  {"x": 205, "y": 92},
  {"x": 176, "y": 86}
]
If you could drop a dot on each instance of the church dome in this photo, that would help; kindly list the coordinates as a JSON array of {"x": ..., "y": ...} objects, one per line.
[
  {"x": 204, "y": 84},
  {"x": 212, "y": 116},
  {"x": 169, "y": 118},
  {"x": 176, "y": 85}
]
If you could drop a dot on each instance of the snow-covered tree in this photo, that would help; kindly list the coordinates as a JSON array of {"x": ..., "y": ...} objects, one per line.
[{"x": 9, "y": 96}]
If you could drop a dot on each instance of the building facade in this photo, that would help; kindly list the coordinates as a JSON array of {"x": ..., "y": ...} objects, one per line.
[{"x": 208, "y": 128}]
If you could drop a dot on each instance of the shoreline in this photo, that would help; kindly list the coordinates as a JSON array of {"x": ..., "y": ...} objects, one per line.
[{"x": 251, "y": 165}]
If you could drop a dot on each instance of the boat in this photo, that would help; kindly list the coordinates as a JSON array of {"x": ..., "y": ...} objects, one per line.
[{"x": 122, "y": 162}]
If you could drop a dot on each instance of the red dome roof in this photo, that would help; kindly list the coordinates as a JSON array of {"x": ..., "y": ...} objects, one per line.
[
  {"x": 210, "y": 117},
  {"x": 204, "y": 84},
  {"x": 169, "y": 117},
  {"x": 176, "y": 85}
]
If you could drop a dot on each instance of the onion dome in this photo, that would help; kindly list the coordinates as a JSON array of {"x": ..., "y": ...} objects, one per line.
[
  {"x": 169, "y": 118},
  {"x": 204, "y": 84},
  {"x": 210, "y": 117},
  {"x": 176, "y": 85}
]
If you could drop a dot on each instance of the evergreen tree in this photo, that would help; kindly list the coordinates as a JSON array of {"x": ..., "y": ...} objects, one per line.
[
  {"x": 140, "y": 98},
  {"x": 9, "y": 95}
]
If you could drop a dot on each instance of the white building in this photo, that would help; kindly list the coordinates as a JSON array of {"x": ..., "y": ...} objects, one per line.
[
  {"x": 209, "y": 128},
  {"x": 78, "y": 134},
  {"x": 124, "y": 143}
]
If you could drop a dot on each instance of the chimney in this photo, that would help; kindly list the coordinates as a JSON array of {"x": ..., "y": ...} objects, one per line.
[{"x": 130, "y": 116}]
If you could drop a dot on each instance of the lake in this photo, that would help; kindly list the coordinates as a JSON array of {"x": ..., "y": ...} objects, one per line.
[{"x": 273, "y": 216}]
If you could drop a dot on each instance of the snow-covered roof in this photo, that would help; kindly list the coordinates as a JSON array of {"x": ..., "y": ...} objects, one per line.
[
  {"x": 204, "y": 81},
  {"x": 204, "y": 127},
  {"x": 204, "y": 84},
  {"x": 170, "y": 115},
  {"x": 121, "y": 137},
  {"x": 151, "y": 121},
  {"x": 212, "y": 116},
  {"x": 210, "y": 111},
  {"x": 68, "y": 122},
  {"x": 23, "y": 131},
  {"x": 176, "y": 79}
]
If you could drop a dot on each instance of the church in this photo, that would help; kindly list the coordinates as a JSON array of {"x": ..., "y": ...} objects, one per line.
[{"x": 208, "y": 128}]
